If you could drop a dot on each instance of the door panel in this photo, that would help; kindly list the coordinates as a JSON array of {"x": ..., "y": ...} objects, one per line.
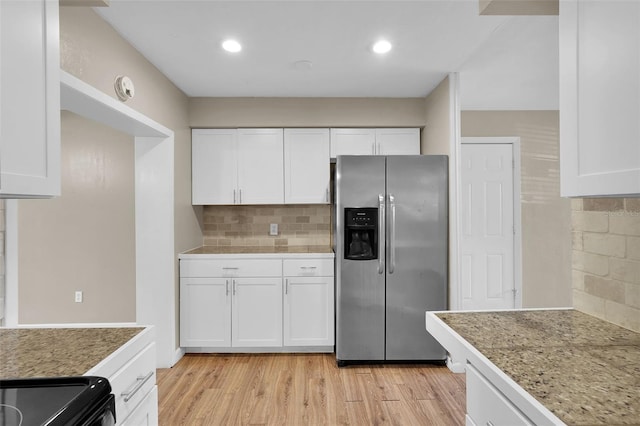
[
  {"x": 417, "y": 253},
  {"x": 257, "y": 312},
  {"x": 488, "y": 226},
  {"x": 205, "y": 312},
  {"x": 359, "y": 286}
]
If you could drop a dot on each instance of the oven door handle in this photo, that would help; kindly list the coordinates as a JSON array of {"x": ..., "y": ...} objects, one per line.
[{"x": 140, "y": 381}]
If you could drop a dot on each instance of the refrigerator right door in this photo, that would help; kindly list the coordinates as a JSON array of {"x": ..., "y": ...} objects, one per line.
[{"x": 417, "y": 253}]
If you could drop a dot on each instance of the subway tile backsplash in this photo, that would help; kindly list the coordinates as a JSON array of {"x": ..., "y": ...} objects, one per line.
[
  {"x": 298, "y": 225},
  {"x": 606, "y": 259}
]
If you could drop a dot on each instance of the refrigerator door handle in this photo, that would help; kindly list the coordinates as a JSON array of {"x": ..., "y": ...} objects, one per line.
[
  {"x": 392, "y": 234},
  {"x": 381, "y": 222}
]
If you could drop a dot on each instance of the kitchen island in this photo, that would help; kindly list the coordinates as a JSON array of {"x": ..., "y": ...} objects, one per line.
[
  {"x": 543, "y": 366},
  {"x": 126, "y": 356}
]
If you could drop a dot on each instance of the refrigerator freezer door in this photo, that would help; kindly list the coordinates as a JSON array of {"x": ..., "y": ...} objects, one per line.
[
  {"x": 417, "y": 253},
  {"x": 360, "y": 294}
]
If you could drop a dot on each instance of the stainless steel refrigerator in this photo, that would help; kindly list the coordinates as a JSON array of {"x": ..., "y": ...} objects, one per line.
[{"x": 391, "y": 244}]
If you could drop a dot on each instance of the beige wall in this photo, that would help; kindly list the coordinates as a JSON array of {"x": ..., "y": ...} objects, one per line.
[
  {"x": 249, "y": 225},
  {"x": 606, "y": 259},
  {"x": 306, "y": 112},
  {"x": 436, "y": 135},
  {"x": 83, "y": 240},
  {"x": 546, "y": 218},
  {"x": 92, "y": 51}
]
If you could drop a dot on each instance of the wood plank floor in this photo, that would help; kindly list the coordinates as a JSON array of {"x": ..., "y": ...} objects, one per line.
[{"x": 306, "y": 389}]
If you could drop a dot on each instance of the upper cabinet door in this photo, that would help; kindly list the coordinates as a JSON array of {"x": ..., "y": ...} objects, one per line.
[
  {"x": 260, "y": 166},
  {"x": 214, "y": 166},
  {"x": 398, "y": 141},
  {"x": 306, "y": 166},
  {"x": 29, "y": 99},
  {"x": 353, "y": 142},
  {"x": 599, "y": 98}
]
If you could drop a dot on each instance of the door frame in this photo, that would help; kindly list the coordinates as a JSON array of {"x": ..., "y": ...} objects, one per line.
[{"x": 517, "y": 214}]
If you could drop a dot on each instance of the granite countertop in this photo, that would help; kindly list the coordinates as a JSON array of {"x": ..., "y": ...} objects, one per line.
[
  {"x": 585, "y": 370},
  {"x": 53, "y": 352},
  {"x": 259, "y": 250}
]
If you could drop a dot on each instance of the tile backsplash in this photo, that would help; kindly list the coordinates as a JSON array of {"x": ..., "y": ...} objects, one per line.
[
  {"x": 249, "y": 225},
  {"x": 606, "y": 259}
]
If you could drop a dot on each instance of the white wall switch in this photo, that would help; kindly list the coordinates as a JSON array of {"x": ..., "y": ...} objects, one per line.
[
  {"x": 273, "y": 229},
  {"x": 78, "y": 297}
]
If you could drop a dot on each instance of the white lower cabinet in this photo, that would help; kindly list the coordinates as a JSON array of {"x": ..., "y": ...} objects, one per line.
[
  {"x": 257, "y": 312},
  {"x": 147, "y": 414},
  {"x": 131, "y": 371},
  {"x": 308, "y": 302},
  {"x": 486, "y": 405},
  {"x": 246, "y": 307},
  {"x": 205, "y": 314}
]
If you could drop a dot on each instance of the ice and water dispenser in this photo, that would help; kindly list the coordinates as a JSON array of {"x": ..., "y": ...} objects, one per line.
[{"x": 361, "y": 233}]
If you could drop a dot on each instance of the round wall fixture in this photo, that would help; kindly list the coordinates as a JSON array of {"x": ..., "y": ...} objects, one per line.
[{"x": 124, "y": 88}]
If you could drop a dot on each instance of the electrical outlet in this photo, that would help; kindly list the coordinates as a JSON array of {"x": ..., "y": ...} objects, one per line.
[
  {"x": 273, "y": 229},
  {"x": 78, "y": 297}
]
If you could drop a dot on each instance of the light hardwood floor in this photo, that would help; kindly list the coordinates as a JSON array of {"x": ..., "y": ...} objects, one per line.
[{"x": 306, "y": 389}]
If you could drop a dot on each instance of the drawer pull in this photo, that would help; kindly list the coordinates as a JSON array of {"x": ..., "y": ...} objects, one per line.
[
  {"x": 140, "y": 381},
  {"x": 235, "y": 269},
  {"x": 308, "y": 267}
]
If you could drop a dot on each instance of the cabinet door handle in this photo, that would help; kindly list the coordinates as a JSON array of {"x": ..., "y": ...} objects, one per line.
[
  {"x": 286, "y": 286},
  {"x": 234, "y": 196},
  {"x": 140, "y": 381},
  {"x": 226, "y": 287},
  {"x": 240, "y": 191},
  {"x": 489, "y": 423},
  {"x": 327, "y": 196},
  {"x": 234, "y": 287},
  {"x": 373, "y": 149}
]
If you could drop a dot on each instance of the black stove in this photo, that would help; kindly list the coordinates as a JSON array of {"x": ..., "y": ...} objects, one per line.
[{"x": 57, "y": 401}]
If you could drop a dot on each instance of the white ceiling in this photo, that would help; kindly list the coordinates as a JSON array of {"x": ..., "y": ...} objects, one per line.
[{"x": 504, "y": 62}]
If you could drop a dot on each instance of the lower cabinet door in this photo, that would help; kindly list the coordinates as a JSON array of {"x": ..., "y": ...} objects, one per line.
[
  {"x": 205, "y": 312},
  {"x": 146, "y": 414},
  {"x": 486, "y": 405},
  {"x": 257, "y": 312},
  {"x": 308, "y": 311}
]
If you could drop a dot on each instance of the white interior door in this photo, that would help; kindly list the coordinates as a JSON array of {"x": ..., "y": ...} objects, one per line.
[{"x": 487, "y": 224}]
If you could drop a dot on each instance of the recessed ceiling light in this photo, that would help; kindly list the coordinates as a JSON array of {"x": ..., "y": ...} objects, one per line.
[
  {"x": 381, "y": 46},
  {"x": 231, "y": 46}
]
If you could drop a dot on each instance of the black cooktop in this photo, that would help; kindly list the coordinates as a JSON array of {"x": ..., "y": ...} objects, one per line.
[{"x": 51, "y": 401}]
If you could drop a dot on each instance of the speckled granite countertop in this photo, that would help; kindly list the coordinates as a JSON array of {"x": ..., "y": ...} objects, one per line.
[
  {"x": 585, "y": 370},
  {"x": 260, "y": 250},
  {"x": 53, "y": 352}
]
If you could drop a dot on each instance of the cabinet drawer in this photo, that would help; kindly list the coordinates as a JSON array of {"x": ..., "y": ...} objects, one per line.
[
  {"x": 230, "y": 268},
  {"x": 134, "y": 381},
  {"x": 146, "y": 414},
  {"x": 307, "y": 267},
  {"x": 486, "y": 405}
]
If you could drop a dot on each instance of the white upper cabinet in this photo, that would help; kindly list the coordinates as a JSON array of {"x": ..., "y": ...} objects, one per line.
[
  {"x": 231, "y": 166},
  {"x": 306, "y": 166},
  {"x": 392, "y": 141},
  {"x": 214, "y": 166},
  {"x": 599, "y": 98},
  {"x": 353, "y": 142},
  {"x": 398, "y": 141},
  {"x": 29, "y": 99},
  {"x": 260, "y": 166}
]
